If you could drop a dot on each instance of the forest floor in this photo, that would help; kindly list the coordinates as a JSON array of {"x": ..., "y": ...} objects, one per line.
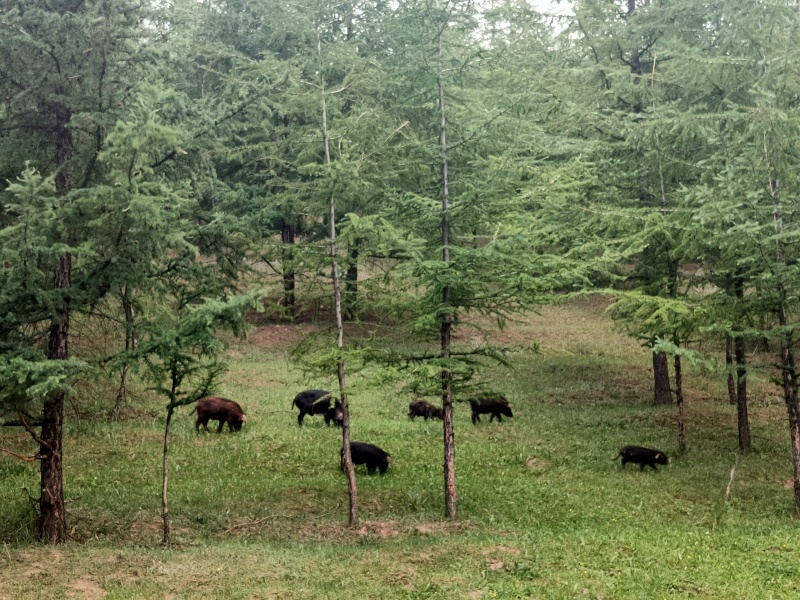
[{"x": 544, "y": 511}]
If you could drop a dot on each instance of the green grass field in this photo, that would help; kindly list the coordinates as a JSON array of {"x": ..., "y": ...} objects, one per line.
[{"x": 544, "y": 512}]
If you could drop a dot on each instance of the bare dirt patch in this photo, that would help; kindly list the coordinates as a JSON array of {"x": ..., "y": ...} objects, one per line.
[
  {"x": 537, "y": 464},
  {"x": 443, "y": 527},
  {"x": 40, "y": 563},
  {"x": 381, "y": 529},
  {"x": 87, "y": 589},
  {"x": 332, "y": 532}
]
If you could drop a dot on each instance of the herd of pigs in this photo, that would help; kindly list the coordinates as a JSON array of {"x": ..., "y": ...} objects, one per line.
[{"x": 318, "y": 402}]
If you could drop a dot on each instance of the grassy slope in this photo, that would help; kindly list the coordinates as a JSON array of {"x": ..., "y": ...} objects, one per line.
[{"x": 544, "y": 512}]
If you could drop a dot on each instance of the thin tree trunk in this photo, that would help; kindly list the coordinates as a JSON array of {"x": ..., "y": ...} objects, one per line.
[
  {"x": 164, "y": 480},
  {"x": 352, "y": 515},
  {"x": 450, "y": 497},
  {"x": 679, "y": 401},
  {"x": 351, "y": 282},
  {"x": 130, "y": 346},
  {"x": 661, "y": 389},
  {"x": 741, "y": 394},
  {"x": 729, "y": 365},
  {"x": 789, "y": 372},
  {"x": 741, "y": 376},
  {"x": 52, "y": 516},
  {"x": 788, "y": 368},
  {"x": 121, "y": 399},
  {"x": 288, "y": 240}
]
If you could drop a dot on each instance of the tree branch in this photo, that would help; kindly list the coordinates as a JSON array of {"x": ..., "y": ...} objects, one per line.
[
  {"x": 19, "y": 456},
  {"x": 33, "y": 434}
]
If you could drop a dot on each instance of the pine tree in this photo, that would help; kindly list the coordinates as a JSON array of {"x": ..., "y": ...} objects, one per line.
[{"x": 68, "y": 70}]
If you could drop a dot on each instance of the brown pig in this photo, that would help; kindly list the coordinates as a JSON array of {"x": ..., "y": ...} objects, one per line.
[{"x": 223, "y": 410}]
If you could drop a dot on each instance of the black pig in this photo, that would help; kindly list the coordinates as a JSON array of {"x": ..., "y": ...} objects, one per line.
[
  {"x": 321, "y": 407},
  {"x": 642, "y": 456},
  {"x": 367, "y": 454},
  {"x": 219, "y": 409},
  {"x": 496, "y": 406},
  {"x": 335, "y": 415},
  {"x": 306, "y": 401},
  {"x": 420, "y": 408}
]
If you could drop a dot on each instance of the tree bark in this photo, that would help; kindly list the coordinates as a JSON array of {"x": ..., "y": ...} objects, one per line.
[
  {"x": 679, "y": 402},
  {"x": 166, "y": 527},
  {"x": 52, "y": 516},
  {"x": 788, "y": 367},
  {"x": 789, "y": 372},
  {"x": 661, "y": 389},
  {"x": 288, "y": 240},
  {"x": 741, "y": 394},
  {"x": 729, "y": 365}
]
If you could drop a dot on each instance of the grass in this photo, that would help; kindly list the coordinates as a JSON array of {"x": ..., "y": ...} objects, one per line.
[{"x": 544, "y": 512}]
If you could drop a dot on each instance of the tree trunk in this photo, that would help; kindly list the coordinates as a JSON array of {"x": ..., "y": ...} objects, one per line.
[
  {"x": 52, "y": 516},
  {"x": 741, "y": 376},
  {"x": 792, "y": 409},
  {"x": 130, "y": 346},
  {"x": 347, "y": 458},
  {"x": 662, "y": 392},
  {"x": 741, "y": 394},
  {"x": 679, "y": 401},
  {"x": 164, "y": 480},
  {"x": 287, "y": 265},
  {"x": 351, "y": 283},
  {"x": 450, "y": 497},
  {"x": 122, "y": 395},
  {"x": 53, "y": 522},
  {"x": 729, "y": 364},
  {"x": 788, "y": 368}
]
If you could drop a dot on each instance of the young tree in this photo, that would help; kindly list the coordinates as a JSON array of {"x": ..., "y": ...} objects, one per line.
[
  {"x": 347, "y": 458},
  {"x": 183, "y": 361},
  {"x": 71, "y": 71},
  {"x": 468, "y": 191}
]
